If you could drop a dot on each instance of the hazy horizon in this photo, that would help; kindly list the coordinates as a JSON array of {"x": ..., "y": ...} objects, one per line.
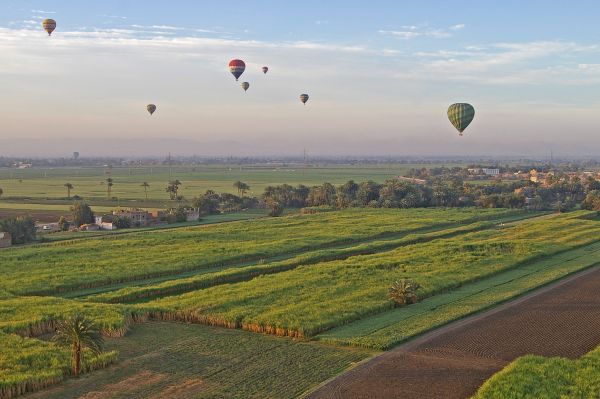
[{"x": 380, "y": 78}]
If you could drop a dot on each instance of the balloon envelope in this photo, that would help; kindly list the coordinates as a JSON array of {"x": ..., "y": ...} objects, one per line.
[
  {"x": 461, "y": 115},
  {"x": 49, "y": 25},
  {"x": 265, "y": 69},
  {"x": 237, "y": 68},
  {"x": 304, "y": 98},
  {"x": 151, "y": 108},
  {"x": 245, "y": 85}
]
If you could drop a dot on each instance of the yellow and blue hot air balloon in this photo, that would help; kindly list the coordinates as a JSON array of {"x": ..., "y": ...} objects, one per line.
[
  {"x": 49, "y": 25},
  {"x": 304, "y": 98},
  {"x": 461, "y": 115}
]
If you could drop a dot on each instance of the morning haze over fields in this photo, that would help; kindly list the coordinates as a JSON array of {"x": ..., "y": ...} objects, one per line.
[{"x": 339, "y": 199}]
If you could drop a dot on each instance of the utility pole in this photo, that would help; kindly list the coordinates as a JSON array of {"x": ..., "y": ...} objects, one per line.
[{"x": 170, "y": 168}]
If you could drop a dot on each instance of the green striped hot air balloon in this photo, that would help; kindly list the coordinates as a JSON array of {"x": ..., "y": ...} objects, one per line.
[{"x": 461, "y": 115}]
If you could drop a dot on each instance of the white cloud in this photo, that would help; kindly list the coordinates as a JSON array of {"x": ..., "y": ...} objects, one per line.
[
  {"x": 43, "y": 12},
  {"x": 113, "y": 16},
  {"x": 457, "y": 27},
  {"x": 414, "y": 31}
]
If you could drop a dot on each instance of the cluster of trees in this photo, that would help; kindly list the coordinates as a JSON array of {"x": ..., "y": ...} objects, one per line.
[
  {"x": 212, "y": 202},
  {"x": 21, "y": 229},
  {"x": 559, "y": 192}
]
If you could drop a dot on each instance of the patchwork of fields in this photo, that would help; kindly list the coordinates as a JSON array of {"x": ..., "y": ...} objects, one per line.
[{"x": 318, "y": 277}]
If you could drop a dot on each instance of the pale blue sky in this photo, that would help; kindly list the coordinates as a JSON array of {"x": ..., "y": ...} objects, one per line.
[{"x": 380, "y": 75}]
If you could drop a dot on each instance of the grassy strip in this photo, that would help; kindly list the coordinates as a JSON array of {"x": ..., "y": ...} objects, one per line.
[
  {"x": 309, "y": 300},
  {"x": 391, "y": 328},
  {"x": 70, "y": 265},
  {"x": 232, "y": 275},
  {"x": 550, "y": 378},
  {"x": 28, "y": 365}
]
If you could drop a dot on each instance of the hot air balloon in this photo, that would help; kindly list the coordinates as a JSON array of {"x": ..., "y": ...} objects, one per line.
[
  {"x": 237, "y": 68},
  {"x": 151, "y": 108},
  {"x": 304, "y": 98},
  {"x": 245, "y": 86},
  {"x": 49, "y": 25},
  {"x": 265, "y": 69},
  {"x": 461, "y": 115}
]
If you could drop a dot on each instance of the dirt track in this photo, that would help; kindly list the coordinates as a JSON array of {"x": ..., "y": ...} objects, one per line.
[{"x": 560, "y": 320}]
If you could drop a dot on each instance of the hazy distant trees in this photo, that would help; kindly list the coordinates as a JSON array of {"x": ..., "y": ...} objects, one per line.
[
  {"x": 21, "y": 229},
  {"x": 82, "y": 214},
  {"x": 69, "y": 187},
  {"x": 1, "y": 191},
  {"x": 145, "y": 185}
]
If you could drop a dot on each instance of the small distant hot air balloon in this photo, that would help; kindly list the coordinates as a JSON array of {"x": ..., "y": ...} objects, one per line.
[
  {"x": 245, "y": 86},
  {"x": 304, "y": 98},
  {"x": 237, "y": 68},
  {"x": 265, "y": 69},
  {"x": 461, "y": 115},
  {"x": 49, "y": 25},
  {"x": 151, "y": 108}
]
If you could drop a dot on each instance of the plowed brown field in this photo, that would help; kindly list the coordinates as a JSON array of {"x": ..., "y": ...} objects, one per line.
[{"x": 560, "y": 320}]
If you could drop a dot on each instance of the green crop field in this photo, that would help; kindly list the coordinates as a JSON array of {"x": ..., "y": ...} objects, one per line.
[
  {"x": 330, "y": 294},
  {"x": 68, "y": 265},
  {"x": 322, "y": 277},
  {"x": 177, "y": 360},
  {"x": 48, "y": 183},
  {"x": 550, "y": 378}
]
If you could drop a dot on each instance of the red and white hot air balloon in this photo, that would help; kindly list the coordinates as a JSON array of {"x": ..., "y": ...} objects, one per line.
[{"x": 237, "y": 68}]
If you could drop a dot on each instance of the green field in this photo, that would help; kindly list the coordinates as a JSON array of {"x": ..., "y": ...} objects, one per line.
[
  {"x": 322, "y": 278},
  {"x": 330, "y": 294},
  {"x": 550, "y": 378},
  {"x": 47, "y": 183},
  {"x": 68, "y": 265}
]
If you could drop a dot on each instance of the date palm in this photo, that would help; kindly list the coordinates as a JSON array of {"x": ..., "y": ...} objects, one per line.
[
  {"x": 404, "y": 291},
  {"x": 69, "y": 187},
  {"x": 78, "y": 333},
  {"x": 146, "y": 185}
]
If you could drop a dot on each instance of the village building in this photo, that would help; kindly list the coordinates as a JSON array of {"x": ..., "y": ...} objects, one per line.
[
  {"x": 138, "y": 217},
  {"x": 5, "y": 240}
]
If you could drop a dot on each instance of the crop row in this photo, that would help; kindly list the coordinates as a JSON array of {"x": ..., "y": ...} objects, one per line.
[
  {"x": 311, "y": 299},
  {"x": 63, "y": 266},
  {"x": 232, "y": 275}
]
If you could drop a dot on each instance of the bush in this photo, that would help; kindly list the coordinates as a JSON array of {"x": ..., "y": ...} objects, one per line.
[{"x": 404, "y": 291}]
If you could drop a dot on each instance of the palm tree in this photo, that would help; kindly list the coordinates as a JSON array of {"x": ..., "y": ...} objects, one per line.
[
  {"x": 145, "y": 185},
  {"x": 69, "y": 187},
  {"x": 241, "y": 188},
  {"x": 79, "y": 333},
  {"x": 404, "y": 291},
  {"x": 109, "y": 184}
]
